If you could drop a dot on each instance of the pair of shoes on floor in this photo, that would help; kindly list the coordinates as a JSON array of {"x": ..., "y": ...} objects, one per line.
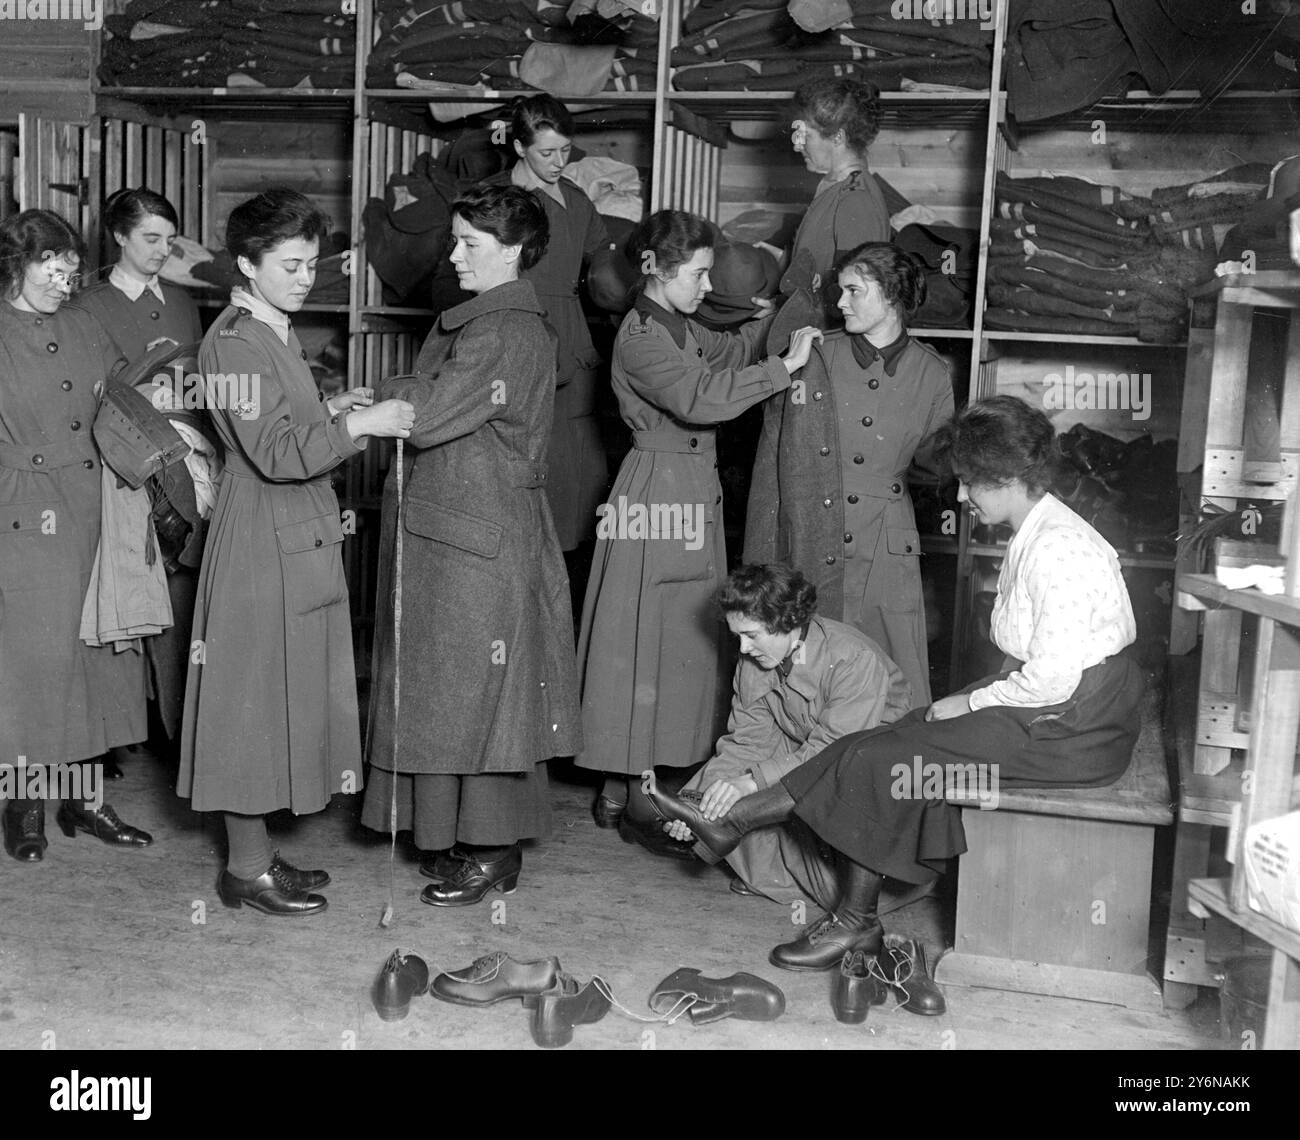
[
  {"x": 856, "y": 986},
  {"x": 904, "y": 966},
  {"x": 466, "y": 880},
  {"x": 403, "y": 977},
  {"x": 280, "y": 890},
  {"x": 705, "y": 1000},
  {"x": 556, "y": 1001},
  {"x": 824, "y": 944}
]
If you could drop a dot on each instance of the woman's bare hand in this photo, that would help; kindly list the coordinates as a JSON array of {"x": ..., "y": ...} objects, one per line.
[{"x": 801, "y": 347}]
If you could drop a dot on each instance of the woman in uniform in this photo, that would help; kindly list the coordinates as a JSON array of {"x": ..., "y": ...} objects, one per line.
[
  {"x": 61, "y": 701},
  {"x": 140, "y": 312},
  {"x": 271, "y": 700},
  {"x": 488, "y": 687},
  {"x": 651, "y": 651},
  {"x": 1064, "y": 711},
  {"x": 829, "y": 494},
  {"x": 541, "y": 132}
]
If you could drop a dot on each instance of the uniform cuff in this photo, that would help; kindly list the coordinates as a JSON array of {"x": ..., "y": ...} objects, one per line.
[{"x": 340, "y": 439}]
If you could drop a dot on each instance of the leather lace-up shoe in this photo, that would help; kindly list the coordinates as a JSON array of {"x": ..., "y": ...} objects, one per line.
[
  {"x": 607, "y": 812},
  {"x": 904, "y": 963},
  {"x": 855, "y": 988},
  {"x": 443, "y": 865},
  {"x": 470, "y": 880},
  {"x": 823, "y": 945},
  {"x": 568, "y": 1003},
  {"x": 496, "y": 977},
  {"x": 743, "y": 996},
  {"x": 102, "y": 823},
  {"x": 24, "y": 830},
  {"x": 303, "y": 880},
  {"x": 716, "y": 838},
  {"x": 272, "y": 892},
  {"x": 651, "y": 835},
  {"x": 403, "y": 977}
]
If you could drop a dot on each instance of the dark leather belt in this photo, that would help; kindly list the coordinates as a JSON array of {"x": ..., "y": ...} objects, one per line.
[{"x": 48, "y": 456}]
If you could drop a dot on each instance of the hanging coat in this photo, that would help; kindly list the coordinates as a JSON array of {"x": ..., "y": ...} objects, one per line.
[
  {"x": 829, "y": 494},
  {"x": 270, "y": 699},
  {"x": 488, "y": 681},
  {"x": 60, "y": 699},
  {"x": 577, "y": 471},
  {"x": 652, "y": 648}
]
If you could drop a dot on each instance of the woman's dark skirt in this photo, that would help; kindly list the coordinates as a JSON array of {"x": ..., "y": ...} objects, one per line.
[
  {"x": 860, "y": 795},
  {"x": 493, "y": 809}
]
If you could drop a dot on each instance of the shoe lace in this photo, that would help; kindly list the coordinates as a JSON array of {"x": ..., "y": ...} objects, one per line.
[
  {"x": 482, "y": 969},
  {"x": 32, "y": 823},
  {"x": 670, "y": 1016},
  {"x": 902, "y": 966},
  {"x": 822, "y": 928},
  {"x": 282, "y": 877}
]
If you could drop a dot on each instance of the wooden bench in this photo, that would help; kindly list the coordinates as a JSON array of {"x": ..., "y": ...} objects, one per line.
[{"x": 1054, "y": 892}]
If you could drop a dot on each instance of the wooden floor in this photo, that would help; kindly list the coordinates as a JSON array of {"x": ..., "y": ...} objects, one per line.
[{"x": 104, "y": 949}]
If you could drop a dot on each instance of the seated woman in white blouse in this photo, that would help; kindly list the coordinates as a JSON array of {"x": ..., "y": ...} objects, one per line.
[{"x": 1064, "y": 712}]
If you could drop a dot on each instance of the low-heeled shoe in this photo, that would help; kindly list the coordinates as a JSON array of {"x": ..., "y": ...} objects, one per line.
[
  {"x": 403, "y": 977},
  {"x": 904, "y": 963},
  {"x": 272, "y": 892},
  {"x": 714, "y": 839},
  {"x": 442, "y": 865},
  {"x": 823, "y": 945},
  {"x": 471, "y": 880},
  {"x": 855, "y": 988},
  {"x": 101, "y": 822},
  {"x": 705, "y": 1000},
  {"x": 24, "y": 831},
  {"x": 568, "y": 1003},
  {"x": 651, "y": 835},
  {"x": 496, "y": 977},
  {"x": 607, "y": 812},
  {"x": 303, "y": 880}
]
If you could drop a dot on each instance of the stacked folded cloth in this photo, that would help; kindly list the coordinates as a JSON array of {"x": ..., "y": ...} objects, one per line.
[
  {"x": 568, "y": 48},
  {"x": 206, "y": 43},
  {"x": 1067, "y": 54},
  {"x": 772, "y": 45},
  {"x": 1071, "y": 256}
]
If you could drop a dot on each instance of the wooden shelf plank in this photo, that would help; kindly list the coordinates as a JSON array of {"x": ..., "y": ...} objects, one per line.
[
  {"x": 1214, "y": 894},
  {"x": 1275, "y": 606}
]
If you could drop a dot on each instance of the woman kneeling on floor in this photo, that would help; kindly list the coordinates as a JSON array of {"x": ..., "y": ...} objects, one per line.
[
  {"x": 1063, "y": 713},
  {"x": 802, "y": 682}
]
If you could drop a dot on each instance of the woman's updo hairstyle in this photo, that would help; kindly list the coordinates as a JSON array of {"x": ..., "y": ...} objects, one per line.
[
  {"x": 848, "y": 105},
  {"x": 900, "y": 277},
  {"x": 537, "y": 113},
  {"x": 273, "y": 217},
  {"x": 33, "y": 235},
  {"x": 126, "y": 209},
  {"x": 668, "y": 239},
  {"x": 510, "y": 214},
  {"x": 777, "y": 597},
  {"x": 998, "y": 440}
]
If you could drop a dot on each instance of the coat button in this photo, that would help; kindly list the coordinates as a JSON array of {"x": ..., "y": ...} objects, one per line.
[
  {"x": 859, "y": 459},
  {"x": 873, "y": 383},
  {"x": 907, "y": 549},
  {"x": 155, "y": 315},
  {"x": 66, "y": 385},
  {"x": 853, "y": 498},
  {"x": 699, "y": 352},
  {"x": 304, "y": 353},
  {"x": 830, "y": 560},
  {"x": 75, "y": 425},
  {"x": 51, "y": 347},
  {"x": 817, "y": 395},
  {"x": 38, "y": 460},
  {"x": 897, "y": 488},
  {"x": 825, "y": 451},
  {"x": 17, "y": 524},
  {"x": 848, "y": 538},
  {"x": 694, "y": 442},
  {"x": 867, "y": 421},
  {"x": 319, "y": 542},
  {"x": 826, "y": 502},
  {"x": 717, "y": 500},
  {"x": 88, "y": 464},
  {"x": 39, "y": 322}
]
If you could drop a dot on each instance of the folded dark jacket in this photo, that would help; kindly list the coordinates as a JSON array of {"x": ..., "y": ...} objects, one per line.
[
  {"x": 1004, "y": 245},
  {"x": 1048, "y": 231},
  {"x": 997, "y": 318},
  {"x": 1099, "y": 216},
  {"x": 1066, "y": 228},
  {"x": 1148, "y": 280},
  {"x": 1012, "y": 275},
  {"x": 1217, "y": 210},
  {"x": 872, "y": 15},
  {"x": 709, "y": 12},
  {"x": 1048, "y": 190},
  {"x": 1247, "y": 173},
  {"x": 1028, "y": 300},
  {"x": 713, "y": 41}
]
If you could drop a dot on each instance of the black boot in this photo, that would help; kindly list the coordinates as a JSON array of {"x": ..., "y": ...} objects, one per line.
[
  {"x": 852, "y": 925},
  {"x": 101, "y": 822},
  {"x": 720, "y": 837},
  {"x": 24, "y": 828}
]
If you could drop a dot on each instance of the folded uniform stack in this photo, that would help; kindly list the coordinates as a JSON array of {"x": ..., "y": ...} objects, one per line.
[
  {"x": 1071, "y": 256},
  {"x": 772, "y": 45},
  {"x": 1067, "y": 54},
  {"x": 215, "y": 43},
  {"x": 563, "y": 48}
]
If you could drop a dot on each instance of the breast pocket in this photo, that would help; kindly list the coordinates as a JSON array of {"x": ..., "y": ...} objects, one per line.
[
  {"x": 902, "y": 590},
  {"x": 310, "y": 558},
  {"x": 456, "y": 529},
  {"x": 679, "y": 542}
]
